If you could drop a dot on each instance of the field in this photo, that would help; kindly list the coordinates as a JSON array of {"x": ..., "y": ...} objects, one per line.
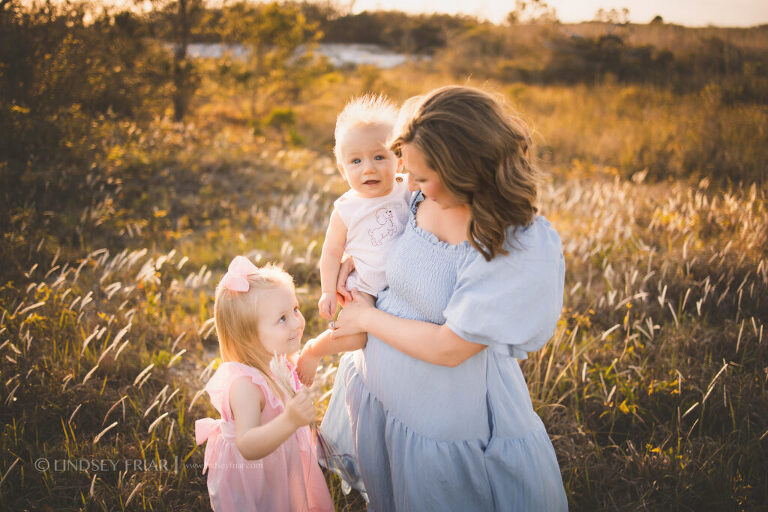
[{"x": 653, "y": 388}]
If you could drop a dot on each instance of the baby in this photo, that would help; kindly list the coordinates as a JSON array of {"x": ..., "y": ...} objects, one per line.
[{"x": 366, "y": 219}]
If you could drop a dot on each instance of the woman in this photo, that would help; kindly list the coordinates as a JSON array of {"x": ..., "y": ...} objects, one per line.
[{"x": 437, "y": 411}]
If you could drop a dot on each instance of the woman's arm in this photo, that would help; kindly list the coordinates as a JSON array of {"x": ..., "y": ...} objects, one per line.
[
  {"x": 330, "y": 260},
  {"x": 436, "y": 344},
  {"x": 255, "y": 440}
]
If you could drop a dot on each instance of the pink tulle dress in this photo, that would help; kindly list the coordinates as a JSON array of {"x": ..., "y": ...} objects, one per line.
[{"x": 288, "y": 479}]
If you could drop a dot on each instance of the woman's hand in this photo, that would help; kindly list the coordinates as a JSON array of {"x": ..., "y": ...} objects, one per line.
[
  {"x": 347, "y": 266},
  {"x": 351, "y": 320}
]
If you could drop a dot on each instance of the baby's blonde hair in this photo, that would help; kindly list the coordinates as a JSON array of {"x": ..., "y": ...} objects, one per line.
[
  {"x": 366, "y": 110},
  {"x": 237, "y": 320}
]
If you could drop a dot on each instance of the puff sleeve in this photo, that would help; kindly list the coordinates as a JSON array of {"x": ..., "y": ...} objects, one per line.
[
  {"x": 220, "y": 383},
  {"x": 511, "y": 303}
]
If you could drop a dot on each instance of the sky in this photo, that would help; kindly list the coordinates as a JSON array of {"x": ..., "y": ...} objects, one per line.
[{"x": 695, "y": 13}]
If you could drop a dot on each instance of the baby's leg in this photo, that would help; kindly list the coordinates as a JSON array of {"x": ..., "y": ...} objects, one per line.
[{"x": 322, "y": 346}]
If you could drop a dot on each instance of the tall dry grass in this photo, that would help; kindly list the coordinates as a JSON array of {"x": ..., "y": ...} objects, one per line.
[{"x": 652, "y": 384}]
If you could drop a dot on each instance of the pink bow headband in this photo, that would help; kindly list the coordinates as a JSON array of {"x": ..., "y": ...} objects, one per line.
[{"x": 236, "y": 278}]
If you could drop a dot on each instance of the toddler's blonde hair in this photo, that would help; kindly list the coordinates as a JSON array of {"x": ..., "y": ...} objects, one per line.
[
  {"x": 236, "y": 315},
  {"x": 366, "y": 110}
]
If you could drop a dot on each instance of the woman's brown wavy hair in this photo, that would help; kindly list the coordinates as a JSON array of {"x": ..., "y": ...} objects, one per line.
[{"x": 482, "y": 153}]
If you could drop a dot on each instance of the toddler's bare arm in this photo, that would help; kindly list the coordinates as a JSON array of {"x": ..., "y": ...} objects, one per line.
[
  {"x": 322, "y": 346},
  {"x": 254, "y": 440}
]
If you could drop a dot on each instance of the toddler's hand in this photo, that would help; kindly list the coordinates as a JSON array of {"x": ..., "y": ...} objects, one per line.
[
  {"x": 300, "y": 409},
  {"x": 327, "y": 305},
  {"x": 306, "y": 366}
]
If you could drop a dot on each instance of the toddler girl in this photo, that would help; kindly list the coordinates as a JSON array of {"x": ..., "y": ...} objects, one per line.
[
  {"x": 365, "y": 221},
  {"x": 260, "y": 455}
]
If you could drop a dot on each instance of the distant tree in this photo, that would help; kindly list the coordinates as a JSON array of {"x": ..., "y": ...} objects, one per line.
[
  {"x": 614, "y": 16},
  {"x": 600, "y": 15},
  {"x": 181, "y": 65},
  {"x": 532, "y": 11},
  {"x": 657, "y": 20},
  {"x": 420, "y": 33},
  {"x": 280, "y": 43},
  {"x": 175, "y": 22}
]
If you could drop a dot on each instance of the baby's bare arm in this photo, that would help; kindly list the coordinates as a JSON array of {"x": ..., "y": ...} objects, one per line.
[{"x": 330, "y": 261}]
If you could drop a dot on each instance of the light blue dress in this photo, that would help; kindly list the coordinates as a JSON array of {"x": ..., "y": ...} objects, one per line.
[{"x": 423, "y": 437}]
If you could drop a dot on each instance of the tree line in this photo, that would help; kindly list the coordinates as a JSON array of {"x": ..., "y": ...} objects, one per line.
[{"x": 61, "y": 64}]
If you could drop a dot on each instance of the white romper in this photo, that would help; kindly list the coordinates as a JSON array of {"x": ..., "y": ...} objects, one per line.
[{"x": 372, "y": 225}]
